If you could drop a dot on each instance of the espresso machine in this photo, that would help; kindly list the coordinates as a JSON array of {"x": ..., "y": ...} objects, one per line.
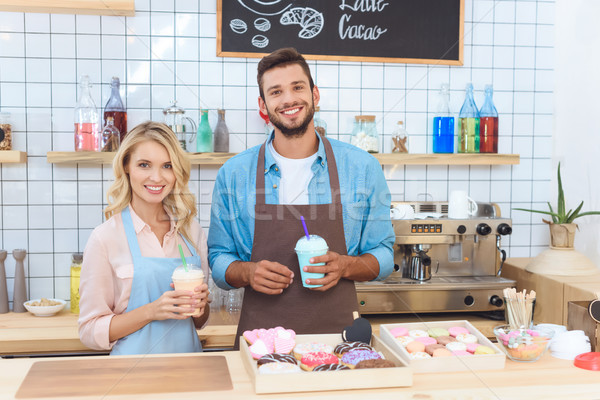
[{"x": 442, "y": 264}]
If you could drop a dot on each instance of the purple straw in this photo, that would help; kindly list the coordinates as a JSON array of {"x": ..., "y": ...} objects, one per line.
[{"x": 305, "y": 229}]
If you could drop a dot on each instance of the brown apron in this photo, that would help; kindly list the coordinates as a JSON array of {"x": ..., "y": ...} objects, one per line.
[{"x": 277, "y": 229}]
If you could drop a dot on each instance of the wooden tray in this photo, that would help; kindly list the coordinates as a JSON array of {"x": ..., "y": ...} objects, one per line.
[
  {"x": 124, "y": 376},
  {"x": 400, "y": 376},
  {"x": 445, "y": 364}
]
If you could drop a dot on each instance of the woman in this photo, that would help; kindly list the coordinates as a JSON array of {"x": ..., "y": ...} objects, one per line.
[{"x": 127, "y": 303}]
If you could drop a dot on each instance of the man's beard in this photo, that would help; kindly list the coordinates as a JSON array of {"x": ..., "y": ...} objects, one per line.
[{"x": 299, "y": 130}]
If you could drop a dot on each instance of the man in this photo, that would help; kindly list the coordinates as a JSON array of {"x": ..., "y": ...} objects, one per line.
[{"x": 258, "y": 199}]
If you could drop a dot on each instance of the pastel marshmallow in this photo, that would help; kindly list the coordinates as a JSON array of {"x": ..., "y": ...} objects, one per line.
[
  {"x": 466, "y": 338},
  {"x": 426, "y": 340},
  {"x": 399, "y": 331},
  {"x": 415, "y": 333},
  {"x": 457, "y": 330},
  {"x": 415, "y": 347},
  {"x": 456, "y": 346}
]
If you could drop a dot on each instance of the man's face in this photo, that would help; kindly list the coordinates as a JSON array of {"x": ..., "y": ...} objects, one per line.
[{"x": 289, "y": 102}]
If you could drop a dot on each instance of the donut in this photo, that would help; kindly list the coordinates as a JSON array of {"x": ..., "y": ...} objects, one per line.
[
  {"x": 399, "y": 331},
  {"x": 419, "y": 355},
  {"x": 442, "y": 352},
  {"x": 311, "y": 360},
  {"x": 278, "y": 368},
  {"x": 415, "y": 333},
  {"x": 262, "y": 24},
  {"x": 329, "y": 367},
  {"x": 435, "y": 332},
  {"x": 457, "y": 330},
  {"x": 277, "y": 357},
  {"x": 430, "y": 348},
  {"x": 345, "y": 347},
  {"x": 456, "y": 346},
  {"x": 445, "y": 339},
  {"x": 426, "y": 340},
  {"x": 484, "y": 350},
  {"x": 353, "y": 357},
  {"x": 415, "y": 347},
  {"x": 376, "y": 363},
  {"x": 466, "y": 338},
  {"x": 404, "y": 340},
  {"x": 311, "y": 347}
]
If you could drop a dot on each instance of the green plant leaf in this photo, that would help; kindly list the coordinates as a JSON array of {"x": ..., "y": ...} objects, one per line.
[
  {"x": 588, "y": 213},
  {"x": 537, "y": 211},
  {"x": 554, "y": 218},
  {"x": 575, "y": 214},
  {"x": 561, "y": 196}
]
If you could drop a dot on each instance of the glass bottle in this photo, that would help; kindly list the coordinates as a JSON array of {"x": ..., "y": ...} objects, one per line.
[
  {"x": 320, "y": 124},
  {"x": 400, "y": 138},
  {"x": 76, "y": 260},
  {"x": 364, "y": 134},
  {"x": 204, "y": 143},
  {"x": 443, "y": 124},
  {"x": 488, "y": 128},
  {"x": 221, "y": 134},
  {"x": 5, "y": 131},
  {"x": 110, "y": 138},
  {"x": 86, "y": 119},
  {"x": 468, "y": 124},
  {"x": 114, "y": 108}
]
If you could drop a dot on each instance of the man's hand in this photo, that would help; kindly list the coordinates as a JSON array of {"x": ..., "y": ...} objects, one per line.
[
  {"x": 360, "y": 268},
  {"x": 269, "y": 277}
]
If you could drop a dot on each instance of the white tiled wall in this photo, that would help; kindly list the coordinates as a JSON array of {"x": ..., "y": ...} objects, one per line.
[{"x": 168, "y": 51}]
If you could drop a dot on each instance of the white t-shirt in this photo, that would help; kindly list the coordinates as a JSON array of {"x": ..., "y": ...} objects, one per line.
[{"x": 295, "y": 177}]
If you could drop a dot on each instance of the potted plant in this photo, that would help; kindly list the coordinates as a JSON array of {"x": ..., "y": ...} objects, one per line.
[{"x": 562, "y": 227}]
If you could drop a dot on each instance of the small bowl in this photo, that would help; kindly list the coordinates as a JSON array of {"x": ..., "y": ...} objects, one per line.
[
  {"x": 525, "y": 345},
  {"x": 44, "y": 311}
]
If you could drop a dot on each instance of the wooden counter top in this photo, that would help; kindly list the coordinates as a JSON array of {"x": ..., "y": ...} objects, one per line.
[
  {"x": 548, "y": 378},
  {"x": 24, "y": 333}
]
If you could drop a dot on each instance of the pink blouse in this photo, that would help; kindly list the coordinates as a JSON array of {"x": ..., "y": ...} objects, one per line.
[{"x": 107, "y": 272}]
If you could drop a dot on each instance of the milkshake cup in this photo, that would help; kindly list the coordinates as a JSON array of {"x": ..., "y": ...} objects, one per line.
[
  {"x": 188, "y": 280},
  {"x": 306, "y": 249}
]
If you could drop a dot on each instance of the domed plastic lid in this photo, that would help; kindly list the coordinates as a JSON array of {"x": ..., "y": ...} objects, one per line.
[{"x": 590, "y": 361}]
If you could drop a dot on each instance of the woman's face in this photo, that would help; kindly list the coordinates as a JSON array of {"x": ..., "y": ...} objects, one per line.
[{"x": 150, "y": 172}]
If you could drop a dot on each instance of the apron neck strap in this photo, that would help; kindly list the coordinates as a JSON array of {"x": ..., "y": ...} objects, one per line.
[
  {"x": 134, "y": 247},
  {"x": 334, "y": 181}
]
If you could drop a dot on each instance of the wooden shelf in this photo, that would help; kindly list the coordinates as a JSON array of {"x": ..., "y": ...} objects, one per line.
[
  {"x": 446, "y": 159},
  {"x": 12, "y": 156},
  {"x": 89, "y": 7},
  {"x": 94, "y": 158},
  {"x": 97, "y": 158}
]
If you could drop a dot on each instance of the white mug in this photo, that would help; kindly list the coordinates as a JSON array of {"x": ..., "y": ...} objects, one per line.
[
  {"x": 460, "y": 205},
  {"x": 402, "y": 211}
]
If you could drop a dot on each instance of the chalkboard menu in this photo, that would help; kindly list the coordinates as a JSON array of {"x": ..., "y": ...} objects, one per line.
[{"x": 408, "y": 31}]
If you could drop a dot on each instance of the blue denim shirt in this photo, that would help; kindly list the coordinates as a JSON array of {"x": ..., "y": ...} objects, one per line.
[{"x": 365, "y": 200}]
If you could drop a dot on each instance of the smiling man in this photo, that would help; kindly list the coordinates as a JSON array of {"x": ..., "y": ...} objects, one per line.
[{"x": 260, "y": 195}]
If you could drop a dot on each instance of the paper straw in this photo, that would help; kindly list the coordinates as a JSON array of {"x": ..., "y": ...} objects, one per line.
[
  {"x": 305, "y": 228},
  {"x": 183, "y": 258}
]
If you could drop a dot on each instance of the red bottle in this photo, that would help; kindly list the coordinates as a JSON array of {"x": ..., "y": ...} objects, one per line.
[
  {"x": 488, "y": 124},
  {"x": 114, "y": 108}
]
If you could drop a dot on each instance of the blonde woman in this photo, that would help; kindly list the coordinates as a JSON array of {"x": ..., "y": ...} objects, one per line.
[{"x": 127, "y": 303}]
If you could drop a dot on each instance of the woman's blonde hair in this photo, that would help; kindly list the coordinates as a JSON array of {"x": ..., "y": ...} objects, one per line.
[{"x": 180, "y": 202}]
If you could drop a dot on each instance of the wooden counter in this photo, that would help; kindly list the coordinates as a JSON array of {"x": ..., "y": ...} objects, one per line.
[
  {"x": 23, "y": 333},
  {"x": 548, "y": 378},
  {"x": 553, "y": 291}
]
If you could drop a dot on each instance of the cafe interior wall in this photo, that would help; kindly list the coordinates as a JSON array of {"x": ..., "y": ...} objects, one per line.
[
  {"x": 167, "y": 50},
  {"x": 577, "y": 136}
]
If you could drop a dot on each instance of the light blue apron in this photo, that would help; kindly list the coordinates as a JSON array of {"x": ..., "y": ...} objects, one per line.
[{"x": 151, "y": 278}]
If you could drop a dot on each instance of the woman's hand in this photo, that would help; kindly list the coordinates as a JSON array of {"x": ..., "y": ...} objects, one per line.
[{"x": 173, "y": 304}]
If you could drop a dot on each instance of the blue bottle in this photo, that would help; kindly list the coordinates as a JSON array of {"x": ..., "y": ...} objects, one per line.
[{"x": 443, "y": 124}]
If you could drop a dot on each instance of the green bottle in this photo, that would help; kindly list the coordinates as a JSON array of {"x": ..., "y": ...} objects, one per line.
[
  {"x": 204, "y": 139},
  {"x": 468, "y": 124}
]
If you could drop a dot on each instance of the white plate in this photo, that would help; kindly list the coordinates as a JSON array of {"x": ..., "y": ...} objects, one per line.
[{"x": 44, "y": 311}]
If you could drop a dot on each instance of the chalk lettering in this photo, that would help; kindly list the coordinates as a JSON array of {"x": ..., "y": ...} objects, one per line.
[
  {"x": 364, "y": 5},
  {"x": 358, "y": 31}
]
